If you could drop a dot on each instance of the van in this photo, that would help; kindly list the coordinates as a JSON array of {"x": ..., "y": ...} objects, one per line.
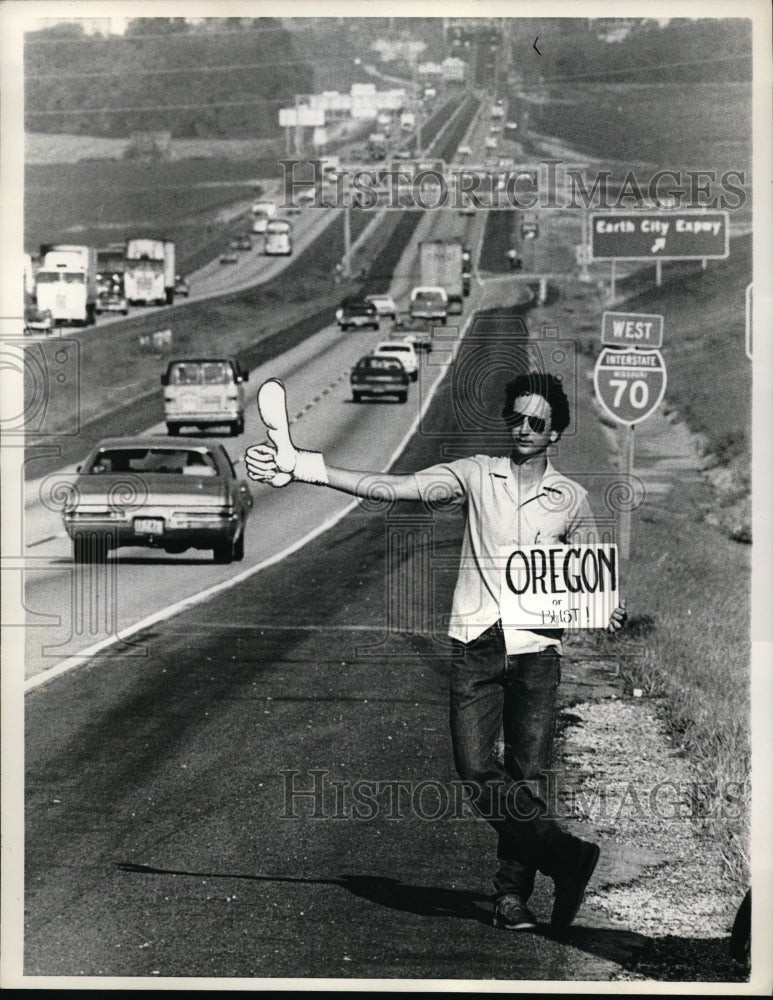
[
  {"x": 204, "y": 392},
  {"x": 278, "y": 239}
]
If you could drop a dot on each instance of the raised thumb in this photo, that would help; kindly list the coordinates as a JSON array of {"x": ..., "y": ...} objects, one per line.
[{"x": 272, "y": 405}]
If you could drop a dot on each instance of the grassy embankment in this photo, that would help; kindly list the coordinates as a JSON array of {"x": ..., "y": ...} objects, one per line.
[
  {"x": 690, "y": 592},
  {"x": 688, "y": 638}
]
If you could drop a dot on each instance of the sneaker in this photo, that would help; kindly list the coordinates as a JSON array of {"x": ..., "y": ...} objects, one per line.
[
  {"x": 513, "y": 914},
  {"x": 570, "y": 887}
]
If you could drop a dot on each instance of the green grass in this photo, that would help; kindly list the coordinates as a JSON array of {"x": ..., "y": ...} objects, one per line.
[
  {"x": 692, "y": 621},
  {"x": 684, "y": 126},
  {"x": 689, "y": 588}
]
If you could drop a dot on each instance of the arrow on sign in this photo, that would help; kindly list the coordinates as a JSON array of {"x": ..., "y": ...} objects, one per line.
[
  {"x": 659, "y": 244},
  {"x": 535, "y": 47}
]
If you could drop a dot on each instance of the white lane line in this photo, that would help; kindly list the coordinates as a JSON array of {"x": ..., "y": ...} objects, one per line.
[{"x": 73, "y": 662}]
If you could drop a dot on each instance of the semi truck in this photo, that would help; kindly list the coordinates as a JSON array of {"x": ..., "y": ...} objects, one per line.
[
  {"x": 66, "y": 284},
  {"x": 149, "y": 272},
  {"x": 441, "y": 263}
]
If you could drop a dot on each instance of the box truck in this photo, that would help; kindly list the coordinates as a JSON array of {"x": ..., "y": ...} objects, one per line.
[
  {"x": 66, "y": 284},
  {"x": 441, "y": 263},
  {"x": 149, "y": 271}
]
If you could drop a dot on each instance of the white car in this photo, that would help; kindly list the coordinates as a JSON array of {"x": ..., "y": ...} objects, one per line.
[
  {"x": 490, "y": 142},
  {"x": 464, "y": 151},
  {"x": 385, "y": 305},
  {"x": 402, "y": 350}
]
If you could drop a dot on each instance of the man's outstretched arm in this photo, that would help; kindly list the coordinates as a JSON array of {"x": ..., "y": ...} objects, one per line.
[
  {"x": 310, "y": 467},
  {"x": 279, "y": 462}
]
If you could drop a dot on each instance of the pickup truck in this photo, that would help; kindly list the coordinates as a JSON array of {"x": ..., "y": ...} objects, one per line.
[{"x": 430, "y": 303}]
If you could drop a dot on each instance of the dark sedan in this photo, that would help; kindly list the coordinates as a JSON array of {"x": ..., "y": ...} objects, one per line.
[
  {"x": 374, "y": 376},
  {"x": 151, "y": 492}
]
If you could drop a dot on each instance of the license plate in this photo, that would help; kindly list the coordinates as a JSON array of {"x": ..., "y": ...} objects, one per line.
[{"x": 148, "y": 526}]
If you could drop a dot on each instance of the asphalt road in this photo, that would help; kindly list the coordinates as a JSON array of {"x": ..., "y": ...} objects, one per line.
[
  {"x": 162, "y": 835},
  {"x": 160, "y": 838},
  {"x": 71, "y": 608}
]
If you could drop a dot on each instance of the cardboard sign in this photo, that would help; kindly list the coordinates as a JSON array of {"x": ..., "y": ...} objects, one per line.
[{"x": 559, "y": 586}]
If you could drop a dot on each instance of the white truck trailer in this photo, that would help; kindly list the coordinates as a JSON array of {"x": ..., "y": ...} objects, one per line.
[
  {"x": 441, "y": 263},
  {"x": 149, "y": 271},
  {"x": 66, "y": 284}
]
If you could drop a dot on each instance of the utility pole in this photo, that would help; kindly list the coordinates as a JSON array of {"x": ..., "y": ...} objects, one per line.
[
  {"x": 298, "y": 128},
  {"x": 347, "y": 261}
]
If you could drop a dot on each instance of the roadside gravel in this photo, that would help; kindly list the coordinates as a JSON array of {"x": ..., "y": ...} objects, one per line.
[{"x": 666, "y": 880}]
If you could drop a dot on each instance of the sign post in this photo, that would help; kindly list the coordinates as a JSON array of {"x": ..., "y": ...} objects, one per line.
[
  {"x": 347, "y": 262},
  {"x": 625, "y": 509},
  {"x": 630, "y": 385},
  {"x": 583, "y": 258}
]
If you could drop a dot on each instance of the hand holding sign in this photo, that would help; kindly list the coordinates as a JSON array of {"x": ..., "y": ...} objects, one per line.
[
  {"x": 280, "y": 462},
  {"x": 618, "y": 618}
]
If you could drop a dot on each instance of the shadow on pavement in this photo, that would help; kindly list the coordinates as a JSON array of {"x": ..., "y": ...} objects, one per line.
[
  {"x": 669, "y": 959},
  {"x": 428, "y": 901}
]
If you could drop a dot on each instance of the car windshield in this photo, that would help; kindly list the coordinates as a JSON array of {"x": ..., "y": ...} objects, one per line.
[
  {"x": 174, "y": 461},
  {"x": 395, "y": 347},
  {"x": 200, "y": 373}
]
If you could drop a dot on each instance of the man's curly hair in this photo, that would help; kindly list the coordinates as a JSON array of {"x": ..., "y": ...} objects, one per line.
[{"x": 542, "y": 384}]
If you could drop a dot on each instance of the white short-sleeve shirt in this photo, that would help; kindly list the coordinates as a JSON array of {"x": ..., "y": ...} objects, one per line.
[{"x": 555, "y": 509}]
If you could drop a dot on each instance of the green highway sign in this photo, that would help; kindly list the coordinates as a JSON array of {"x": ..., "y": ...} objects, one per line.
[{"x": 669, "y": 235}]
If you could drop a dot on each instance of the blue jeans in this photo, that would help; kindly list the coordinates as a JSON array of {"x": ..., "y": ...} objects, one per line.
[{"x": 492, "y": 692}]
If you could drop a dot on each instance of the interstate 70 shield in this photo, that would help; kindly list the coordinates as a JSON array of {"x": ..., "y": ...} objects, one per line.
[{"x": 630, "y": 383}]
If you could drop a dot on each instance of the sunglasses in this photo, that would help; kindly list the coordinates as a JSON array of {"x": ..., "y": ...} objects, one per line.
[{"x": 537, "y": 424}]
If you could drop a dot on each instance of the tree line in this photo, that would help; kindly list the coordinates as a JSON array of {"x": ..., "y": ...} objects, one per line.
[{"x": 226, "y": 78}]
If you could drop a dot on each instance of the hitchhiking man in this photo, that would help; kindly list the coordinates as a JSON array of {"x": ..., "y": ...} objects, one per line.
[{"x": 503, "y": 679}]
